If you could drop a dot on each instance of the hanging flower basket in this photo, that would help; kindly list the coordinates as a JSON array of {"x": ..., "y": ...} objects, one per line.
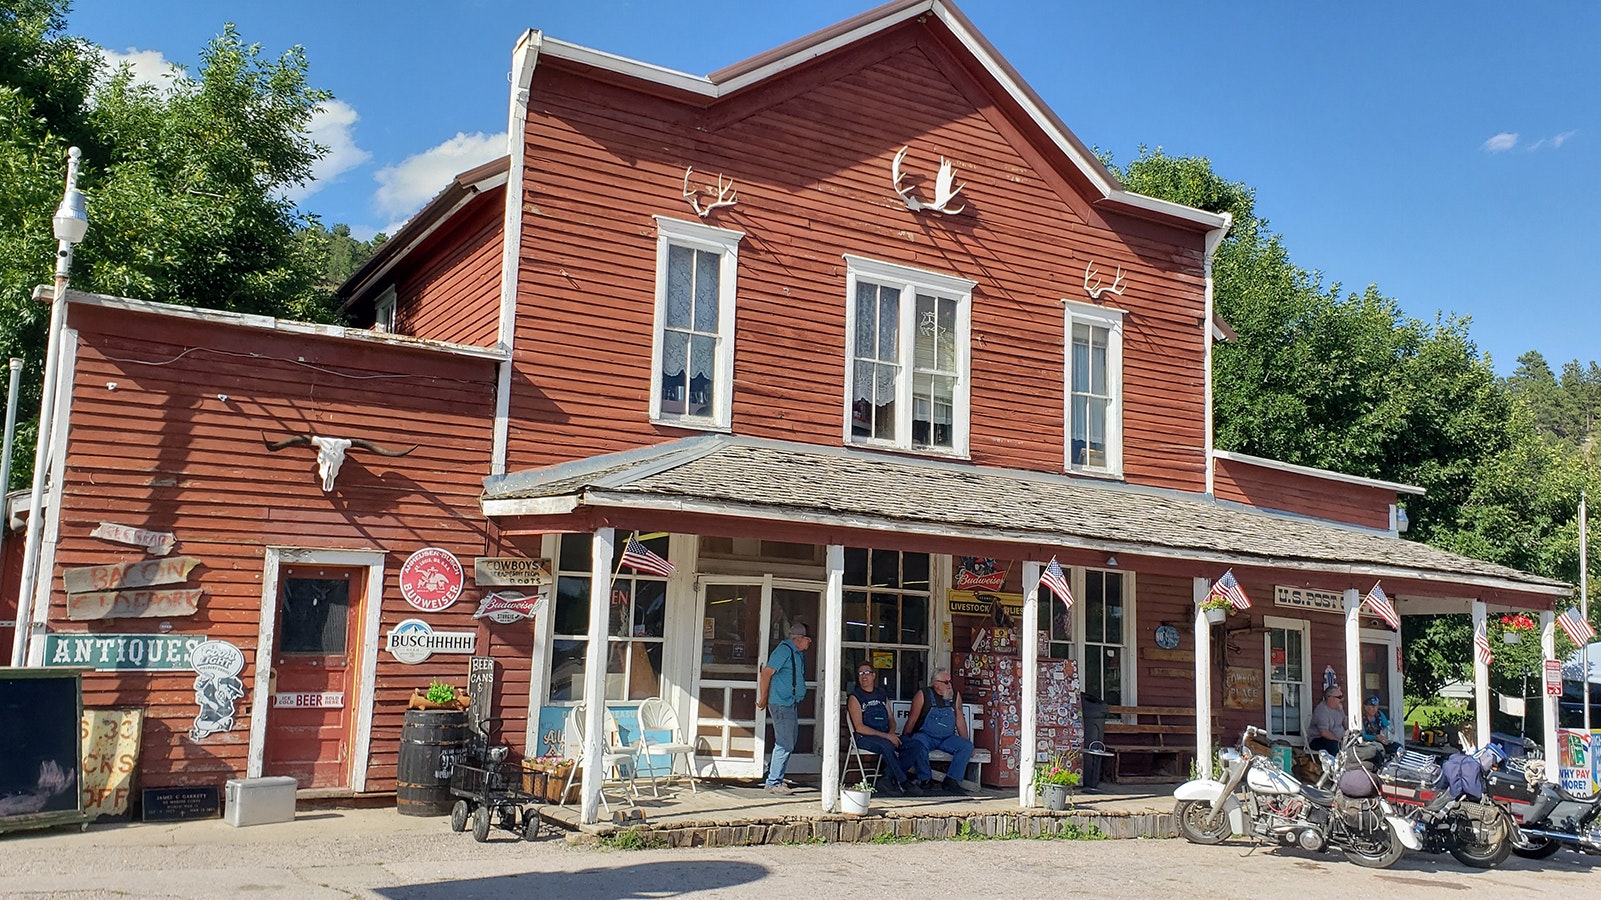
[
  {"x": 1513, "y": 628},
  {"x": 1511, "y": 637},
  {"x": 1216, "y": 615}
]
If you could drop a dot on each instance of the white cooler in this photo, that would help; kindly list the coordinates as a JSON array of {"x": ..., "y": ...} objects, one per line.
[{"x": 259, "y": 801}]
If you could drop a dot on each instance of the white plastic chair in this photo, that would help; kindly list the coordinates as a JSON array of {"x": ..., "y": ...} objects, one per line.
[
  {"x": 656, "y": 715},
  {"x": 613, "y": 761}
]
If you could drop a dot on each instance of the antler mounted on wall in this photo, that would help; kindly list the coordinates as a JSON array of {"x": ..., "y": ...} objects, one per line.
[
  {"x": 1097, "y": 289},
  {"x": 943, "y": 192},
  {"x": 330, "y": 451},
  {"x": 726, "y": 196}
]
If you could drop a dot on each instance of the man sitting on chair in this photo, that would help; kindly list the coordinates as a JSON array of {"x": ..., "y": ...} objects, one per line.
[
  {"x": 937, "y": 723},
  {"x": 868, "y": 706}
]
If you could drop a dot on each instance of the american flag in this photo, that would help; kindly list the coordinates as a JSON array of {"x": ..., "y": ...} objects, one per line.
[
  {"x": 639, "y": 557},
  {"x": 1228, "y": 587},
  {"x": 1054, "y": 578},
  {"x": 1381, "y": 604},
  {"x": 1579, "y": 631},
  {"x": 1481, "y": 646}
]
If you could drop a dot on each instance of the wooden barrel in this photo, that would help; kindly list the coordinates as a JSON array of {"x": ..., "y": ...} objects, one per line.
[{"x": 430, "y": 741}]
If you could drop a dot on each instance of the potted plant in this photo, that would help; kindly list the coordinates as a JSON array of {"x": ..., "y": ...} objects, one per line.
[
  {"x": 1054, "y": 783},
  {"x": 1216, "y": 609},
  {"x": 1514, "y": 627},
  {"x": 439, "y": 696},
  {"x": 856, "y": 798}
]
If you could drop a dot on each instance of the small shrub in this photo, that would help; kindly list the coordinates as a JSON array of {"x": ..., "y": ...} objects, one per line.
[{"x": 632, "y": 839}]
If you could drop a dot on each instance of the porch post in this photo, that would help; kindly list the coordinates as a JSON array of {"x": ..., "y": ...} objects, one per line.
[
  {"x": 1548, "y": 736},
  {"x": 829, "y": 686},
  {"x": 1481, "y": 677},
  {"x": 1353, "y": 659},
  {"x": 1027, "y": 749},
  {"x": 595, "y": 737},
  {"x": 1202, "y": 588}
]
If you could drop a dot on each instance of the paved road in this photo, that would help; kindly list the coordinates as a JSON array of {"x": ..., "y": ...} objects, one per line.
[{"x": 375, "y": 853}]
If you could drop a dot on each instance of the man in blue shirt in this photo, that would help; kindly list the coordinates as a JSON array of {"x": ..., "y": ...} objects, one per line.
[{"x": 780, "y": 688}]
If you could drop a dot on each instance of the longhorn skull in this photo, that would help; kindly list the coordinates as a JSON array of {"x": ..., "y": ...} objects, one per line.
[{"x": 330, "y": 452}]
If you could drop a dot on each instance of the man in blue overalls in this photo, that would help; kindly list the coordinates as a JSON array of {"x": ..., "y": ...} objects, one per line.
[
  {"x": 874, "y": 725},
  {"x": 780, "y": 688},
  {"x": 937, "y": 723}
]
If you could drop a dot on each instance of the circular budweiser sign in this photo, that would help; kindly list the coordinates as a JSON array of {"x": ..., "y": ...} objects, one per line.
[{"x": 431, "y": 579}]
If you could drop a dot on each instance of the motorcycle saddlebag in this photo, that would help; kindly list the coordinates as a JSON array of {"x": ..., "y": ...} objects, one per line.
[
  {"x": 1407, "y": 784},
  {"x": 1361, "y": 814}
]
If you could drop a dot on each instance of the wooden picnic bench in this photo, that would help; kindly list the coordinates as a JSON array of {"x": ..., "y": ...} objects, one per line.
[{"x": 1151, "y": 744}]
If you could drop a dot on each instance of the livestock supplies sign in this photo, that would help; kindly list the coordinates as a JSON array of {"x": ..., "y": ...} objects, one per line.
[{"x": 431, "y": 579}]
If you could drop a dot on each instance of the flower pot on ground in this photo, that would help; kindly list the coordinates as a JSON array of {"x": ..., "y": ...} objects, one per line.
[
  {"x": 1055, "y": 781},
  {"x": 856, "y": 798},
  {"x": 1056, "y": 796}
]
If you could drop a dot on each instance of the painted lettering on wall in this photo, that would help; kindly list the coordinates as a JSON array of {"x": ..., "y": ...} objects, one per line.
[
  {"x": 151, "y": 604},
  {"x": 129, "y": 575}
]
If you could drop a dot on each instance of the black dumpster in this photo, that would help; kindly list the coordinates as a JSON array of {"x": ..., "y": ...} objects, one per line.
[{"x": 1094, "y": 741}]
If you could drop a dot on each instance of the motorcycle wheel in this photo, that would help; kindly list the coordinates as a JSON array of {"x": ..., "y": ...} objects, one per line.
[
  {"x": 1492, "y": 851},
  {"x": 1536, "y": 848},
  {"x": 1190, "y": 817},
  {"x": 1378, "y": 852}
]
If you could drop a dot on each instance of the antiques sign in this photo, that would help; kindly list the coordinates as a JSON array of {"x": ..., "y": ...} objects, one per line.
[
  {"x": 1306, "y": 598},
  {"x": 113, "y": 652},
  {"x": 510, "y": 571}
]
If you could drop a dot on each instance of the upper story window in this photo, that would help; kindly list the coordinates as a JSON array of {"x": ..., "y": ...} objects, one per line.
[
  {"x": 692, "y": 349},
  {"x": 906, "y": 358},
  {"x": 1093, "y": 341},
  {"x": 384, "y": 311}
]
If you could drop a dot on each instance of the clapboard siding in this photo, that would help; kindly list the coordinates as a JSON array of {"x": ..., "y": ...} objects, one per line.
[
  {"x": 177, "y": 446},
  {"x": 812, "y": 171},
  {"x": 449, "y": 289},
  {"x": 1308, "y": 495}
]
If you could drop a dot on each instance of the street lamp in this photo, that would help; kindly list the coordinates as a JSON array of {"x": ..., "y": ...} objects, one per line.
[{"x": 70, "y": 224}]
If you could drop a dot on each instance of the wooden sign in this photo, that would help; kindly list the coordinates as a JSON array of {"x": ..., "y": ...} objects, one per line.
[
  {"x": 480, "y": 689},
  {"x": 510, "y": 571},
  {"x": 133, "y": 604},
  {"x": 115, "y": 652},
  {"x": 1158, "y": 653},
  {"x": 110, "y": 756},
  {"x": 158, "y": 542},
  {"x": 129, "y": 575},
  {"x": 1242, "y": 688}
]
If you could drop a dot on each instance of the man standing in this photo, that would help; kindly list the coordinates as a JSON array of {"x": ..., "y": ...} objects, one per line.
[
  {"x": 1328, "y": 722},
  {"x": 779, "y": 690}
]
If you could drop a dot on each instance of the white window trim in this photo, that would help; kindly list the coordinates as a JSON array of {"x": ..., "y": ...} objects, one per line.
[
  {"x": 1078, "y": 580},
  {"x": 1111, "y": 319},
  {"x": 912, "y": 281},
  {"x": 384, "y": 311},
  {"x": 1304, "y": 628},
  {"x": 725, "y": 243}
]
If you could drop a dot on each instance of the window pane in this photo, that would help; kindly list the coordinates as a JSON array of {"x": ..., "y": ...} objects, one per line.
[
  {"x": 947, "y": 335},
  {"x": 1081, "y": 358},
  {"x": 883, "y": 411},
  {"x": 914, "y": 571},
  {"x": 702, "y": 379},
  {"x": 866, "y": 319},
  {"x": 650, "y": 607},
  {"x": 706, "y": 278},
  {"x": 675, "y": 364},
  {"x": 1094, "y": 615},
  {"x": 914, "y": 619},
  {"x": 316, "y": 612},
  {"x": 1098, "y": 363},
  {"x": 884, "y": 626},
  {"x": 886, "y": 568},
  {"x": 572, "y": 605},
  {"x": 680, "y": 285},
  {"x": 925, "y": 349},
  {"x": 856, "y": 566},
  {"x": 618, "y": 617},
  {"x": 574, "y": 553},
  {"x": 567, "y": 670},
  {"x": 856, "y": 617},
  {"x": 889, "y": 324},
  {"x": 1112, "y": 677}
]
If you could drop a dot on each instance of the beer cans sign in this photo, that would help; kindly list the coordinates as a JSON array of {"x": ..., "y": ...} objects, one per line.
[
  {"x": 431, "y": 579},
  {"x": 506, "y": 607},
  {"x": 414, "y": 640}
]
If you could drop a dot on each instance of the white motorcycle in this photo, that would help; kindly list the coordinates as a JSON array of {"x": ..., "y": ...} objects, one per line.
[{"x": 1257, "y": 799}]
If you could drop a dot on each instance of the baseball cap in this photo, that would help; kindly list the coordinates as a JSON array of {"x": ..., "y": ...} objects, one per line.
[{"x": 1374, "y": 701}]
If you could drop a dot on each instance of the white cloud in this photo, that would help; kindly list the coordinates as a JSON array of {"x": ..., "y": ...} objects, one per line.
[
  {"x": 331, "y": 126},
  {"x": 1502, "y": 142},
  {"x": 149, "y": 66},
  {"x": 404, "y": 187},
  {"x": 1554, "y": 142}
]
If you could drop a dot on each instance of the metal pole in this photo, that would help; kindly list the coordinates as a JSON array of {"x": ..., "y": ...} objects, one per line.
[
  {"x": 5, "y": 466},
  {"x": 1584, "y": 608}
]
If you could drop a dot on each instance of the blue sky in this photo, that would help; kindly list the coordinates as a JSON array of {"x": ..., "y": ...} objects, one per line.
[{"x": 1449, "y": 152}]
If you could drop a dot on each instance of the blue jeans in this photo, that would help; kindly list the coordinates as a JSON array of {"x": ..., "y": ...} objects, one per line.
[
  {"x": 786, "y": 731},
  {"x": 918, "y": 745},
  {"x": 889, "y": 753}
]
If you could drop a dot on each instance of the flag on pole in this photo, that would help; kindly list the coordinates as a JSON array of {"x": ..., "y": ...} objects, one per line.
[
  {"x": 1054, "y": 578},
  {"x": 1579, "y": 631},
  {"x": 1481, "y": 646},
  {"x": 639, "y": 557},
  {"x": 1228, "y": 588},
  {"x": 1381, "y": 604}
]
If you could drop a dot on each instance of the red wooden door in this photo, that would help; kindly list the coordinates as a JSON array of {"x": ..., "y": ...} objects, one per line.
[{"x": 315, "y": 661}]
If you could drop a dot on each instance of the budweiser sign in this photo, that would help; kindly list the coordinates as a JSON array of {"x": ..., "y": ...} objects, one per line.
[
  {"x": 506, "y": 607},
  {"x": 979, "y": 581}
]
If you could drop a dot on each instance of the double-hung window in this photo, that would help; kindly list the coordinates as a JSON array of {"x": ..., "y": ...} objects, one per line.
[
  {"x": 1093, "y": 343},
  {"x": 692, "y": 349},
  {"x": 906, "y": 357}
]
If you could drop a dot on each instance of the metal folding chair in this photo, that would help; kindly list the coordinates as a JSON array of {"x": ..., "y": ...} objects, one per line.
[
  {"x": 613, "y": 761},
  {"x": 656, "y": 716},
  {"x": 854, "y": 755}
]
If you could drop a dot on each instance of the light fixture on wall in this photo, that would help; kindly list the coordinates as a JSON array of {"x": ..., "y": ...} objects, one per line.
[{"x": 1111, "y": 561}]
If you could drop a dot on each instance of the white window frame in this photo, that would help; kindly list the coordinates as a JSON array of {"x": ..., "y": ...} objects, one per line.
[
  {"x": 1304, "y": 628},
  {"x": 384, "y": 311},
  {"x": 1078, "y": 580},
  {"x": 911, "y": 282},
  {"x": 725, "y": 243},
  {"x": 1110, "y": 318}
]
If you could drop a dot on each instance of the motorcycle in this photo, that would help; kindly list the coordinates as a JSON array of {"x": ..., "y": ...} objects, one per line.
[
  {"x": 1257, "y": 799},
  {"x": 1550, "y": 817},
  {"x": 1463, "y": 820}
]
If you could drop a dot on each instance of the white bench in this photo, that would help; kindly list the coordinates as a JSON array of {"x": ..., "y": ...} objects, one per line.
[{"x": 903, "y": 710}]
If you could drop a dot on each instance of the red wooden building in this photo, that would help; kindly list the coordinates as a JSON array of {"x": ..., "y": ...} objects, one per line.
[{"x": 826, "y": 329}]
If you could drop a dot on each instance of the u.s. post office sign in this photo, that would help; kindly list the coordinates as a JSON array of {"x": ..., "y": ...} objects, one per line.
[{"x": 1306, "y": 598}]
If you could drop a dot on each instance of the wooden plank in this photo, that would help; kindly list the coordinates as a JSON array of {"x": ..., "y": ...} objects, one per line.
[
  {"x": 1158, "y": 653},
  {"x": 1169, "y": 672},
  {"x": 144, "y": 573},
  {"x": 133, "y": 604}
]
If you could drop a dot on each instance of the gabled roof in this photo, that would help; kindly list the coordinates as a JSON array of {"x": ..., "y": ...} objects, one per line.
[
  {"x": 842, "y": 487},
  {"x": 774, "y": 63}
]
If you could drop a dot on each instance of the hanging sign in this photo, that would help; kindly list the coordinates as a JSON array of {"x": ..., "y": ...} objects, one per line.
[
  {"x": 158, "y": 542},
  {"x": 480, "y": 689},
  {"x": 129, "y": 575},
  {"x": 110, "y": 755},
  {"x": 1553, "y": 677},
  {"x": 414, "y": 640},
  {"x": 1306, "y": 598},
  {"x": 510, "y": 571},
  {"x": 114, "y": 652},
  {"x": 217, "y": 665},
  {"x": 157, "y": 604},
  {"x": 431, "y": 579},
  {"x": 506, "y": 607}
]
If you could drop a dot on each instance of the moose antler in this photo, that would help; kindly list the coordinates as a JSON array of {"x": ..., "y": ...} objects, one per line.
[
  {"x": 1096, "y": 290},
  {"x": 726, "y": 195},
  {"x": 943, "y": 192}
]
